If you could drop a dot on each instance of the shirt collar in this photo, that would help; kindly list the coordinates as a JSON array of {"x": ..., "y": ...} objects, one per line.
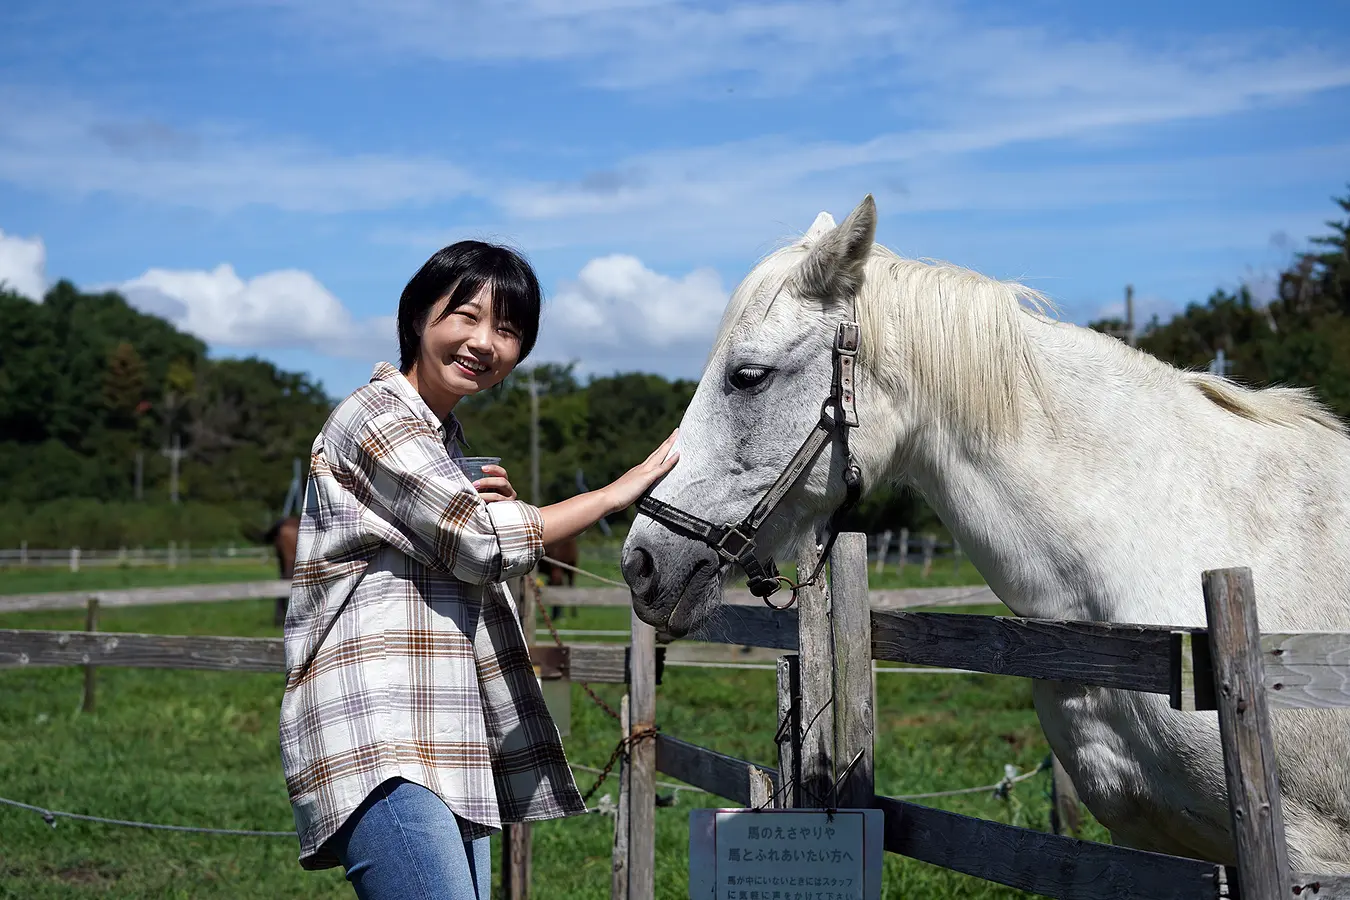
[{"x": 397, "y": 382}]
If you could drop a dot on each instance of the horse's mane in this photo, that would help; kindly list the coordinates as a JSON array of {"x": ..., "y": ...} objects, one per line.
[
  {"x": 929, "y": 327},
  {"x": 1271, "y": 405}
]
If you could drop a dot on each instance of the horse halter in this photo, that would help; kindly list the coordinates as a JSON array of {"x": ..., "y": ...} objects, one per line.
[{"x": 735, "y": 544}]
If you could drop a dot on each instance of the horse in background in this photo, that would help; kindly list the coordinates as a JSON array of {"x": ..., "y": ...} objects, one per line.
[
  {"x": 283, "y": 536},
  {"x": 564, "y": 551}
]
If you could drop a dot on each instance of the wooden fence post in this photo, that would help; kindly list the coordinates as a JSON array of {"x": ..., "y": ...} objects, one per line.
[
  {"x": 1064, "y": 812},
  {"x": 1249, "y": 760},
  {"x": 881, "y": 550},
  {"x": 789, "y": 735},
  {"x": 23, "y": 553},
  {"x": 642, "y": 753},
  {"x": 904, "y": 551},
  {"x": 74, "y": 559},
  {"x": 851, "y": 622},
  {"x": 90, "y": 624},
  {"x": 929, "y": 545},
  {"x": 761, "y": 789},
  {"x": 516, "y": 846},
  {"x": 173, "y": 555},
  {"x": 815, "y": 639},
  {"x": 618, "y": 884}
]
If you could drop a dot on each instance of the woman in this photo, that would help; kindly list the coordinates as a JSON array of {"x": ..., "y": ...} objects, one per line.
[{"x": 412, "y": 725}]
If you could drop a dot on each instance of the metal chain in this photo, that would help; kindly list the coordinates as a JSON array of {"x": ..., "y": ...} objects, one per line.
[{"x": 620, "y": 749}]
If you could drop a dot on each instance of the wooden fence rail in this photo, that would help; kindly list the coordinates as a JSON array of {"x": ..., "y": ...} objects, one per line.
[
  {"x": 187, "y": 593},
  {"x": 1300, "y": 669},
  {"x": 22, "y": 648}
]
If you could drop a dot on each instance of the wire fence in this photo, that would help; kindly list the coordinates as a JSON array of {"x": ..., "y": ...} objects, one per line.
[{"x": 1000, "y": 789}]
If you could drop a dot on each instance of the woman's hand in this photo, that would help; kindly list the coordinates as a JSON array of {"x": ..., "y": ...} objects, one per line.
[
  {"x": 624, "y": 491},
  {"x": 496, "y": 486}
]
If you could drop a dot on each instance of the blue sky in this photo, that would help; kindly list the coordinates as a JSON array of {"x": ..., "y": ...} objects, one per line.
[{"x": 269, "y": 173}]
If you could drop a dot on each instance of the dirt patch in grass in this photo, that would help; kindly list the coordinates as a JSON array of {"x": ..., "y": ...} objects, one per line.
[
  {"x": 920, "y": 720},
  {"x": 86, "y": 874}
]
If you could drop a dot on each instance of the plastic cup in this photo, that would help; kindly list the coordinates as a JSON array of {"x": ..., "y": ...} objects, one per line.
[{"x": 472, "y": 466}]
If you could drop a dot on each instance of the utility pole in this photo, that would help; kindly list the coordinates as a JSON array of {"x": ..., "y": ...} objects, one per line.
[
  {"x": 1129, "y": 314},
  {"x": 1220, "y": 365},
  {"x": 534, "y": 440},
  {"x": 175, "y": 454},
  {"x": 1126, "y": 334}
]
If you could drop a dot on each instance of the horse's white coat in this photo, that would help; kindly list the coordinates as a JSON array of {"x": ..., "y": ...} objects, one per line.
[{"x": 1085, "y": 479}]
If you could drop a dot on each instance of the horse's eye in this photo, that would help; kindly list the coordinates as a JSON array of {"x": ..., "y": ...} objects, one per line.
[{"x": 747, "y": 377}]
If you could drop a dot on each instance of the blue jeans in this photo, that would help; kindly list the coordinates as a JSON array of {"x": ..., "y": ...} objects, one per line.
[{"x": 404, "y": 842}]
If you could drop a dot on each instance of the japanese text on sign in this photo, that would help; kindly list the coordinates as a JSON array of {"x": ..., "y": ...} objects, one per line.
[{"x": 796, "y": 856}]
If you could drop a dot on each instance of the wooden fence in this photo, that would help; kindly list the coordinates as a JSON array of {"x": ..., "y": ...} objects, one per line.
[
  {"x": 834, "y": 636},
  {"x": 825, "y": 759}
]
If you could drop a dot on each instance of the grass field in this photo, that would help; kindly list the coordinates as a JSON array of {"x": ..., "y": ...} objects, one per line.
[{"x": 200, "y": 748}]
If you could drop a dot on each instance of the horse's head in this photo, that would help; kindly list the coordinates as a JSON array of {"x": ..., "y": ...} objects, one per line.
[{"x": 761, "y": 394}]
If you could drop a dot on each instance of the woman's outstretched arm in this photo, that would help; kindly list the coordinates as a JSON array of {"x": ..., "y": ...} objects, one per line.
[{"x": 575, "y": 514}]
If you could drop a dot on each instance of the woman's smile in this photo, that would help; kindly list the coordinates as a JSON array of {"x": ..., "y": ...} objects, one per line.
[{"x": 472, "y": 367}]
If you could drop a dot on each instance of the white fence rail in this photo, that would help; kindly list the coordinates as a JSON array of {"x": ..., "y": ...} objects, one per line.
[{"x": 75, "y": 558}]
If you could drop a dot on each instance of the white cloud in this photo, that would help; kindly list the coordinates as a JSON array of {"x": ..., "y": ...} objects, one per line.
[
  {"x": 23, "y": 265},
  {"x": 618, "y": 310},
  {"x": 283, "y": 309}
]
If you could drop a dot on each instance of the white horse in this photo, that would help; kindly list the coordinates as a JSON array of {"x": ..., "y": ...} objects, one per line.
[{"x": 1085, "y": 479}]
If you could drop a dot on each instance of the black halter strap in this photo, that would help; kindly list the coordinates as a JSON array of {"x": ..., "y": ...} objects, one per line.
[{"x": 736, "y": 544}]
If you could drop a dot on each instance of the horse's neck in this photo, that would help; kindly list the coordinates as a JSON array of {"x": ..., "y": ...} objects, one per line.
[{"x": 1041, "y": 515}]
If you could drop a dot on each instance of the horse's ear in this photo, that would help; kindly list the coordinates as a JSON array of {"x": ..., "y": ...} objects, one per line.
[
  {"x": 819, "y": 228},
  {"x": 834, "y": 264}
]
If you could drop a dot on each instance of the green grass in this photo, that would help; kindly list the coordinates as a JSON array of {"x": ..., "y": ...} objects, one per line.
[{"x": 201, "y": 748}]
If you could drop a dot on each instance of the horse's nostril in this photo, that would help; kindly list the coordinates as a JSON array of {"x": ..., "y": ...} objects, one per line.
[
  {"x": 638, "y": 569},
  {"x": 645, "y": 566}
]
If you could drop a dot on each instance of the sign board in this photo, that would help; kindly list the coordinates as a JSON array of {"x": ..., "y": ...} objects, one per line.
[{"x": 785, "y": 854}]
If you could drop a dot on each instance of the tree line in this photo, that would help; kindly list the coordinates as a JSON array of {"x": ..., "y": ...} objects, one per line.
[
  {"x": 93, "y": 392},
  {"x": 1299, "y": 338}
]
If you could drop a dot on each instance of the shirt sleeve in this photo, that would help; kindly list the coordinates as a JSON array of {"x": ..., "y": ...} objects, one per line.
[{"x": 401, "y": 470}]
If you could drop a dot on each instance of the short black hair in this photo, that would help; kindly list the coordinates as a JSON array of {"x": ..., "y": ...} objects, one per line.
[{"x": 462, "y": 270}]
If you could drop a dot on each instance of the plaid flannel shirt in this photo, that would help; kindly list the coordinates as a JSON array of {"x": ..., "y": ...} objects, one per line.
[{"x": 404, "y": 653}]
